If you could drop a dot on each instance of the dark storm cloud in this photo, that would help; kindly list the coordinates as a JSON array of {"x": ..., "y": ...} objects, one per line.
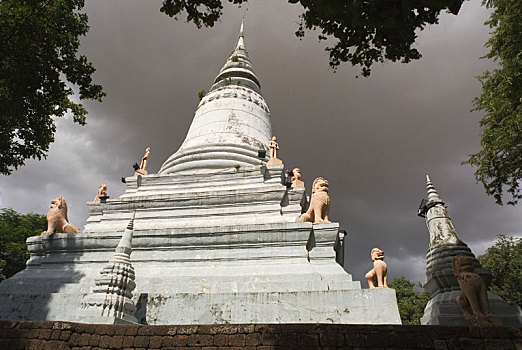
[{"x": 373, "y": 138}]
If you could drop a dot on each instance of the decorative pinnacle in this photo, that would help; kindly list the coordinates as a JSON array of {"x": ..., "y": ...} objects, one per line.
[
  {"x": 433, "y": 196},
  {"x": 241, "y": 39},
  {"x": 130, "y": 225},
  {"x": 124, "y": 248}
]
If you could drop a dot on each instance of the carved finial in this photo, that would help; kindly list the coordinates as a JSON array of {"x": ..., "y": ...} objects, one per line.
[
  {"x": 124, "y": 248},
  {"x": 433, "y": 196},
  {"x": 130, "y": 226},
  {"x": 241, "y": 39}
]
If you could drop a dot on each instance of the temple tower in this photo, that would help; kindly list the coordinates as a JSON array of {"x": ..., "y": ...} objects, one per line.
[
  {"x": 232, "y": 122},
  {"x": 442, "y": 285}
]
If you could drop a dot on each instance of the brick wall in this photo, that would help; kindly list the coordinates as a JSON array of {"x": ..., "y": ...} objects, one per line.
[{"x": 77, "y": 336}]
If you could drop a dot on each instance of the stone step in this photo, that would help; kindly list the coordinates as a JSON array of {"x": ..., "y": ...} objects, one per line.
[{"x": 210, "y": 178}]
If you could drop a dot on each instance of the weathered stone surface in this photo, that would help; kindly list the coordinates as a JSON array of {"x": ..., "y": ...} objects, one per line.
[{"x": 441, "y": 283}]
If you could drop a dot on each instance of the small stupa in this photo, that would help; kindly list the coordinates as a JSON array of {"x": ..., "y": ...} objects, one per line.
[
  {"x": 441, "y": 284},
  {"x": 216, "y": 234},
  {"x": 111, "y": 299}
]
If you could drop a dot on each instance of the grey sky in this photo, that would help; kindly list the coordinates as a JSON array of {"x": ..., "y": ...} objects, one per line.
[{"x": 373, "y": 138}]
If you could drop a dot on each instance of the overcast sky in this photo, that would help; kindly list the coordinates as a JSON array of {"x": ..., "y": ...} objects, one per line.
[{"x": 373, "y": 138}]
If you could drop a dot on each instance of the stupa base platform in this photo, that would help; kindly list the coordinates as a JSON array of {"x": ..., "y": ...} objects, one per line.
[
  {"x": 443, "y": 310},
  {"x": 356, "y": 306},
  {"x": 273, "y": 273}
]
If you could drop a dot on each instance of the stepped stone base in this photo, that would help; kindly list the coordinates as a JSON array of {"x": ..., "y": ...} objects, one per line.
[
  {"x": 443, "y": 310},
  {"x": 220, "y": 246},
  {"x": 275, "y": 273}
]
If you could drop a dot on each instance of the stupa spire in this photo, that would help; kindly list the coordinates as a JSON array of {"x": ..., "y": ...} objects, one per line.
[
  {"x": 438, "y": 219},
  {"x": 433, "y": 196},
  {"x": 238, "y": 68},
  {"x": 232, "y": 122},
  {"x": 241, "y": 39}
]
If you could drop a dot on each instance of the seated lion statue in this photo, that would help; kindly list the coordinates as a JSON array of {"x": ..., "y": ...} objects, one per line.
[
  {"x": 473, "y": 293},
  {"x": 319, "y": 208},
  {"x": 378, "y": 276},
  {"x": 57, "y": 218}
]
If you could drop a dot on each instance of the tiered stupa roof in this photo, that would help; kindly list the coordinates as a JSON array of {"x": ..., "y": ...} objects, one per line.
[{"x": 232, "y": 121}]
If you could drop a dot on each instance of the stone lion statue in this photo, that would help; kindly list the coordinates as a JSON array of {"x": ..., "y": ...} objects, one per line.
[
  {"x": 378, "y": 276},
  {"x": 57, "y": 218},
  {"x": 102, "y": 192},
  {"x": 473, "y": 293},
  {"x": 319, "y": 203}
]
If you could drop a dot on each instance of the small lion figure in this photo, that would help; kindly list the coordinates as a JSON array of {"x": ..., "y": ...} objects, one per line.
[
  {"x": 319, "y": 208},
  {"x": 102, "y": 192},
  {"x": 473, "y": 293},
  {"x": 378, "y": 276},
  {"x": 57, "y": 218}
]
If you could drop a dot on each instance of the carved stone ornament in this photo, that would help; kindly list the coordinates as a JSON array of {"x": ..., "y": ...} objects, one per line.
[
  {"x": 102, "y": 192},
  {"x": 57, "y": 218},
  {"x": 111, "y": 298},
  {"x": 142, "y": 170},
  {"x": 319, "y": 208},
  {"x": 473, "y": 294},
  {"x": 274, "y": 146},
  {"x": 296, "y": 178},
  {"x": 378, "y": 276}
]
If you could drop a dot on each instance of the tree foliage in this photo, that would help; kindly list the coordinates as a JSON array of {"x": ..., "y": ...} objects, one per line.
[
  {"x": 504, "y": 258},
  {"x": 39, "y": 67},
  {"x": 363, "y": 31},
  {"x": 411, "y": 303},
  {"x": 499, "y": 162},
  {"x": 14, "y": 230}
]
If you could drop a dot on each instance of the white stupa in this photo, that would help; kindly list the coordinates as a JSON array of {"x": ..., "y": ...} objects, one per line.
[{"x": 215, "y": 236}]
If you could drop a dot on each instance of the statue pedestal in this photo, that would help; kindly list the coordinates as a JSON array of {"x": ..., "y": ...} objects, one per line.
[
  {"x": 274, "y": 161},
  {"x": 443, "y": 310},
  {"x": 140, "y": 172}
]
